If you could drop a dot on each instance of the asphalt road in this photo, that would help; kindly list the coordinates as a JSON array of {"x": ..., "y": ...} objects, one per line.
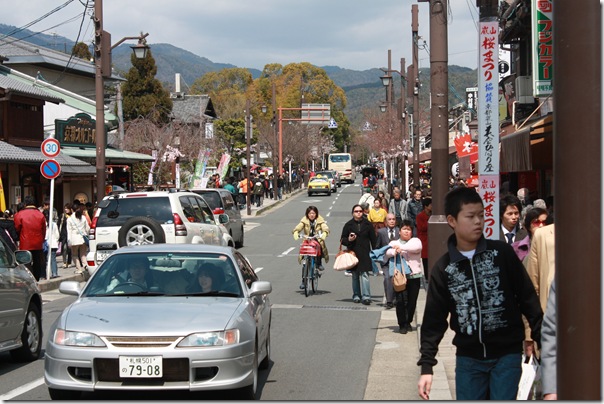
[{"x": 324, "y": 346}]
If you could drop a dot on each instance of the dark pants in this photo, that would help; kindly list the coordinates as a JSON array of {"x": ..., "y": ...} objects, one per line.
[
  {"x": 406, "y": 302},
  {"x": 37, "y": 263}
]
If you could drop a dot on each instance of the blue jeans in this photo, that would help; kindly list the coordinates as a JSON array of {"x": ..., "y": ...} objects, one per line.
[
  {"x": 360, "y": 285},
  {"x": 494, "y": 379}
]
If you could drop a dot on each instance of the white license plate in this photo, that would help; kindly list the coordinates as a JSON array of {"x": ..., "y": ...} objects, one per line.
[
  {"x": 141, "y": 366},
  {"x": 102, "y": 255}
]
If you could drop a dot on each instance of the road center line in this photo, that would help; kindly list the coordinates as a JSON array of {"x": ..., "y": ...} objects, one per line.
[{"x": 284, "y": 253}]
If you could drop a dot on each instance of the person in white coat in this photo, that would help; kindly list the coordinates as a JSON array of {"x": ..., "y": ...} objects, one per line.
[{"x": 77, "y": 229}]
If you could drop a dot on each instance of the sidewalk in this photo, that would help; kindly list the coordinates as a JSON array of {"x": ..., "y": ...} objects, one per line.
[
  {"x": 393, "y": 374},
  {"x": 65, "y": 274},
  {"x": 268, "y": 203}
]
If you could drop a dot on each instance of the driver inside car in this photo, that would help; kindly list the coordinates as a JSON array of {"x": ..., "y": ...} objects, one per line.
[{"x": 138, "y": 273}]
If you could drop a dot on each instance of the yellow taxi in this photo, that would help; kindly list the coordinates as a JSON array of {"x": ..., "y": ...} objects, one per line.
[{"x": 318, "y": 184}]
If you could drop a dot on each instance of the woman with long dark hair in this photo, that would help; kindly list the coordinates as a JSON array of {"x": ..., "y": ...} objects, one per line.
[{"x": 77, "y": 231}]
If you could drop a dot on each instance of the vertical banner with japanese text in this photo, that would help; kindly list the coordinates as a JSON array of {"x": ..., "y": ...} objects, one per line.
[
  {"x": 488, "y": 125},
  {"x": 543, "y": 47}
]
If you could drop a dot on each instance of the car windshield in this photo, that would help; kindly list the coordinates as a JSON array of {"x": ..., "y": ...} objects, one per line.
[
  {"x": 318, "y": 179},
  {"x": 325, "y": 174},
  {"x": 165, "y": 274}
]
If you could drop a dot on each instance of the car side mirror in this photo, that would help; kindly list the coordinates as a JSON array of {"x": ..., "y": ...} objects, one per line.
[
  {"x": 223, "y": 218},
  {"x": 23, "y": 257}
]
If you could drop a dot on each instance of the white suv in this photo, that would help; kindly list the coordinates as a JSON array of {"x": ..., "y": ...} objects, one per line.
[{"x": 135, "y": 218}]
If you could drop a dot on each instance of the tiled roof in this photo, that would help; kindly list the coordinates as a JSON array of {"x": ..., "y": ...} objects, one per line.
[
  {"x": 22, "y": 88},
  {"x": 191, "y": 108},
  {"x": 22, "y": 52},
  {"x": 31, "y": 155}
]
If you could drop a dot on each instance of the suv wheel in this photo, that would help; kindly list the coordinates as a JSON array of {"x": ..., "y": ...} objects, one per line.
[{"x": 141, "y": 230}]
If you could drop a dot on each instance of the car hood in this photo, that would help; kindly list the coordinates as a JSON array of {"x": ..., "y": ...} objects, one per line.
[{"x": 159, "y": 315}]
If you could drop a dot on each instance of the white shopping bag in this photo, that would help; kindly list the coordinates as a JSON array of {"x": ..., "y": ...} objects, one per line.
[{"x": 530, "y": 380}]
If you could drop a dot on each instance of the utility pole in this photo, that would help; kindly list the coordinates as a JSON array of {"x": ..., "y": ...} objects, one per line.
[
  {"x": 415, "y": 36},
  {"x": 276, "y": 172},
  {"x": 403, "y": 116},
  {"x": 438, "y": 229},
  {"x": 578, "y": 146}
]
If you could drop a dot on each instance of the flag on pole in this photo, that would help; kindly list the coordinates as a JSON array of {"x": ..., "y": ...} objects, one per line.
[{"x": 2, "y": 200}]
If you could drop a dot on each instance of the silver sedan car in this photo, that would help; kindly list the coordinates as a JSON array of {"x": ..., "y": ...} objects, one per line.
[{"x": 162, "y": 317}]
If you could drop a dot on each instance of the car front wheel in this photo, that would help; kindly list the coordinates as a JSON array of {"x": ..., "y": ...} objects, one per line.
[{"x": 31, "y": 337}]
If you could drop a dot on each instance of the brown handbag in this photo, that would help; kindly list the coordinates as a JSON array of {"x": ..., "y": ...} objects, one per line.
[{"x": 399, "y": 281}]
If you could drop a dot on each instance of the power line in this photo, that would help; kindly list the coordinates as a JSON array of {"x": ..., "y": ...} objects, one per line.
[{"x": 17, "y": 30}]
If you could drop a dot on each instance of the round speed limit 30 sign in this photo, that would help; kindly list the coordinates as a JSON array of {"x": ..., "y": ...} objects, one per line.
[{"x": 51, "y": 148}]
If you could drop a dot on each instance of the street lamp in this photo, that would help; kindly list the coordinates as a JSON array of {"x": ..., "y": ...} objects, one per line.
[
  {"x": 388, "y": 83},
  {"x": 102, "y": 53}
]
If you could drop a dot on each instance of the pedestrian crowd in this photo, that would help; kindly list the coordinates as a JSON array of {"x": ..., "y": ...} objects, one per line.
[
  {"x": 30, "y": 228},
  {"x": 492, "y": 293}
]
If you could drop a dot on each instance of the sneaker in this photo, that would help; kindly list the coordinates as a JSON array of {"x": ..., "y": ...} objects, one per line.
[
  {"x": 389, "y": 305},
  {"x": 408, "y": 327},
  {"x": 65, "y": 266},
  {"x": 347, "y": 273},
  {"x": 402, "y": 330},
  {"x": 356, "y": 300},
  {"x": 302, "y": 285},
  {"x": 366, "y": 302},
  {"x": 79, "y": 271}
]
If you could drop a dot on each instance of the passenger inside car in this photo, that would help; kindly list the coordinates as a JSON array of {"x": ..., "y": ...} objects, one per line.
[{"x": 209, "y": 277}]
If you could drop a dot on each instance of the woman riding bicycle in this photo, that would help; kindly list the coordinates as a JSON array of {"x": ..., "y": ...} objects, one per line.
[{"x": 313, "y": 224}]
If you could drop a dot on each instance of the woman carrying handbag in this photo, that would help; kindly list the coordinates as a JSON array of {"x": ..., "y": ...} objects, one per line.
[
  {"x": 358, "y": 235},
  {"x": 77, "y": 229}
]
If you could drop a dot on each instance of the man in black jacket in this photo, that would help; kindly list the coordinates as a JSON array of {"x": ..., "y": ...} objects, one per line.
[{"x": 485, "y": 289}]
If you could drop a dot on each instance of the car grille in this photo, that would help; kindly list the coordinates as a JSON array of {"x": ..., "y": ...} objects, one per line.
[
  {"x": 141, "y": 342},
  {"x": 174, "y": 370}
]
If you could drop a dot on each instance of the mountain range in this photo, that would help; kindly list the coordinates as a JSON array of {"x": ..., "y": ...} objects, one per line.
[{"x": 363, "y": 89}]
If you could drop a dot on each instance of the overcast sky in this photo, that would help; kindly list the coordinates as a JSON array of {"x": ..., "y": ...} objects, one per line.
[{"x": 352, "y": 34}]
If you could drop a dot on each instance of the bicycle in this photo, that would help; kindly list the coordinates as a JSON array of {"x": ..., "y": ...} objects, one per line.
[{"x": 310, "y": 250}]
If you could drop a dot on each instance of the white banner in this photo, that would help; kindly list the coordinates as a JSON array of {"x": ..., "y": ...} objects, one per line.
[{"x": 488, "y": 125}]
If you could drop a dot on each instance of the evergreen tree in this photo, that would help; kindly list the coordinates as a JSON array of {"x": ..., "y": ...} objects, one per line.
[
  {"x": 81, "y": 51},
  {"x": 143, "y": 94}
]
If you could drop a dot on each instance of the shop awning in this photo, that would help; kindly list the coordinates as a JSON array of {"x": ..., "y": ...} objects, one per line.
[
  {"x": 112, "y": 156},
  {"x": 516, "y": 147}
]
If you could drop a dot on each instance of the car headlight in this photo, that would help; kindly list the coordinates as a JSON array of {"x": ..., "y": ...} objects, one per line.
[
  {"x": 213, "y": 338},
  {"x": 77, "y": 338}
]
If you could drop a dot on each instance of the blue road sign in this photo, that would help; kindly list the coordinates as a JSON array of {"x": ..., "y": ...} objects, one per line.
[{"x": 50, "y": 169}]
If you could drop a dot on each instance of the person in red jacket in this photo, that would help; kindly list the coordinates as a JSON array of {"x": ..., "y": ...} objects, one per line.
[{"x": 31, "y": 226}]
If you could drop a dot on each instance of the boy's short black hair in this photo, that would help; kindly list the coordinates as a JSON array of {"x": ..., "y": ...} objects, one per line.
[
  {"x": 455, "y": 199},
  {"x": 426, "y": 201},
  {"x": 509, "y": 200},
  {"x": 406, "y": 223}
]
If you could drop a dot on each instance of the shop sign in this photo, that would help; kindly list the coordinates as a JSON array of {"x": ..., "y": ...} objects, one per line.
[{"x": 79, "y": 130}]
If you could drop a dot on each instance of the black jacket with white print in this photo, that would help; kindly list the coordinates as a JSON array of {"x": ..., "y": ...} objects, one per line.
[{"x": 486, "y": 298}]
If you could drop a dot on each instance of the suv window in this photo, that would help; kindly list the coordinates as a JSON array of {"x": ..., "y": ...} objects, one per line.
[
  {"x": 120, "y": 210},
  {"x": 212, "y": 198},
  {"x": 196, "y": 210}
]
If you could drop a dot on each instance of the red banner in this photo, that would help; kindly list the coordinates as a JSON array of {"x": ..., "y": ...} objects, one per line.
[{"x": 466, "y": 147}]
